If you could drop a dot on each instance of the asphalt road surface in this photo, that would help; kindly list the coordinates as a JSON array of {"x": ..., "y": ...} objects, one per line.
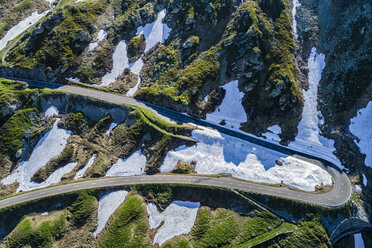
[{"x": 340, "y": 193}]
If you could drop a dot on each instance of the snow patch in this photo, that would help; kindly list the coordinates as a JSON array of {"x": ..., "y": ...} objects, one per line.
[
  {"x": 179, "y": 217},
  {"x": 358, "y": 240},
  {"x": 155, "y": 32},
  {"x": 136, "y": 69},
  {"x": 134, "y": 165},
  {"x": 57, "y": 175},
  {"x": 360, "y": 126},
  {"x": 51, "y": 111},
  {"x": 74, "y": 79},
  {"x": 219, "y": 153},
  {"x": 112, "y": 126},
  {"x": 101, "y": 35},
  {"x": 296, "y": 4},
  {"x": 107, "y": 206},
  {"x": 21, "y": 27},
  {"x": 120, "y": 62},
  {"x": 81, "y": 172},
  {"x": 309, "y": 139},
  {"x": 273, "y": 133},
  {"x": 365, "y": 181},
  {"x": 50, "y": 146},
  {"x": 45, "y": 214},
  {"x": 231, "y": 109},
  {"x": 358, "y": 188}
]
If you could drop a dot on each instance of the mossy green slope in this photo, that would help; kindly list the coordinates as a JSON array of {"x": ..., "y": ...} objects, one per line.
[
  {"x": 28, "y": 235},
  {"x": 128, "y": 226}
]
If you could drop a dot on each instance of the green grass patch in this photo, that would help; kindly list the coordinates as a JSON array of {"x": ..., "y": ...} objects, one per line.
[
  {"x": 284, "y": 228},
  {"x": 308, "y": 234},
  {"x": 27, "y": 235},
  {"x": 82, "y": 208},
  {"x": 59, "y": 49},
  {"x": 14, "y": 131},
  {"x": 100, "y": 127}
]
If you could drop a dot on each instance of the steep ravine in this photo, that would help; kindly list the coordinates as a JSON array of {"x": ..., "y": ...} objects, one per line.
[{"x": 341, "y": 31}]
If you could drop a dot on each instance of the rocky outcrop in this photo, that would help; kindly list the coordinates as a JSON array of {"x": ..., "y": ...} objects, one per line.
[
  {"x": 34, "y": 73},
  {"x": 79, "y": 41},
  {"x": 92, "y": 108},
  {"x": 38, "y": 34}
]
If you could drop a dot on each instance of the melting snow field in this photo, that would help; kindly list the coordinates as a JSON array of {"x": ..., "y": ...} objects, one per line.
[
  {"x": 21, "y": 27},
  {"x": 50, "y": 146},
  {"x": 219, "y": 153},
  {"x": 358, "y": 240},
  {"x": 81, "y": 172},
  {"x": 179, "y": 217},
  {"x": 134, "y": 165},
  {"x": 308, "y": 138},
  {"x": 231, "y": 109},
  {"x": 101, "y": 35},
  {"x": 361, "y": 127},
  {"x": 107, "y": 206}
]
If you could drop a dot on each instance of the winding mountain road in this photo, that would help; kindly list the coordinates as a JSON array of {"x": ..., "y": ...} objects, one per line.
[{"x": 339, "y": 195}]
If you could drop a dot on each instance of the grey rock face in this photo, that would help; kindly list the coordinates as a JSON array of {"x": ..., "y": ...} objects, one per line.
[{"x": 80, "y": 41}]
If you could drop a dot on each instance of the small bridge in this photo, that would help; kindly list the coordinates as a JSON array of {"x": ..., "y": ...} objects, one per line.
[{"x": 348, "y": 227}]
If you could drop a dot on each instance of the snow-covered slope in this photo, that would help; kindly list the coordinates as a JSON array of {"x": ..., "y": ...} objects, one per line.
[
  {"x": 153, "y": 32},
  {"x": 134, "y": 165},
  {"x": 81, "y": 172},
  {"x": 107, "y": 206},
  {"x": 120, "y": 62},
  {"x": 21, "y": 27},
  {"x": 101, "y": 35},
  {"x": 361, "y": 127},
  {"x": 273, "y": 133},
  {"x": 179, "y": 217},
  {"x": 50, "y": 146},
  {"x": 231, "y": 109},
  {"x": 219, "y": 153},
  {"x": 296, "y": 4},
  {"x": 309, "y": 139}
]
